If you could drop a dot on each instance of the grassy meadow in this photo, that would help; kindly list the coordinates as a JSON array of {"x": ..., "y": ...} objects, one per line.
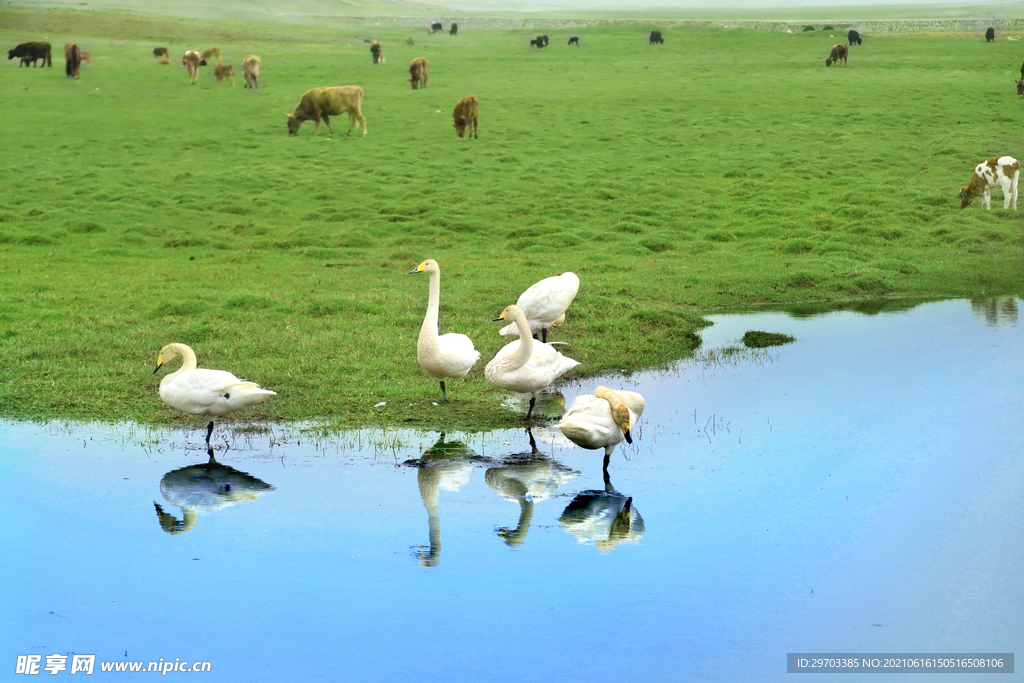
[{"x": 725, "y": 168}]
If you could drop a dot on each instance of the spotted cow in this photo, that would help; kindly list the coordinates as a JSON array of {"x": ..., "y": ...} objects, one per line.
[{"x": 1002, "y": 171}]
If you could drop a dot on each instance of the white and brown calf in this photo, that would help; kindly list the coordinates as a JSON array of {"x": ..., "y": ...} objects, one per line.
[
  {"x": 1002, "y": 171},
  {"x": 190, "y": 60}
]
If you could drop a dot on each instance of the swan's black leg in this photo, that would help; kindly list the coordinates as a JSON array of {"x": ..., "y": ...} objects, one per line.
[
  {"x": 607, "y": 459},
  {"x": 444, "y": 392},
  {"x": 209, "y": 431},
  {"x": 533, "y": 400},
  {"x": 544, "y": 334}
]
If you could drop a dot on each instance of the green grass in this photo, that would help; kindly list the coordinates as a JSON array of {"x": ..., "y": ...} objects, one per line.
[{"x": 725, "y": 168}]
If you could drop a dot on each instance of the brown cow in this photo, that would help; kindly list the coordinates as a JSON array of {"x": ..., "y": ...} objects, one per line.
[
  {"x": 207, "y": 54},
  {"x": 224, "y": 71},
  {"x": 326, "y": 102},
  {"x": 1020, "y": 87},
  {"x": 159, "y": 52},
  {"x": 465, "y": 114},
  {"x": 72, "y": 59},
  {"x": 418, "y": 72},
  {"x": 377, "y": 51},
  {"x": 838, "y": 52},
  {"x": 191, "y": 62},
  {"x": 86, "y": 57},
  {"x": 251, "y": 71}
]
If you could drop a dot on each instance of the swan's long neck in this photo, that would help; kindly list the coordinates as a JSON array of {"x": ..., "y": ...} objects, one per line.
[
  {"x": 525, "y": 340},
  {"x": 188, "y": 357},
  {"x": 429, "y": 330}
]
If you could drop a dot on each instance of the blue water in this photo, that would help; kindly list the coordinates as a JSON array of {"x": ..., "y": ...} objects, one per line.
[{"x": 858, "y": 490}]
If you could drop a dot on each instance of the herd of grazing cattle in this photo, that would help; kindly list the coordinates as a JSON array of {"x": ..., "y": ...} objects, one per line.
[{"x": 321, "y": 103}]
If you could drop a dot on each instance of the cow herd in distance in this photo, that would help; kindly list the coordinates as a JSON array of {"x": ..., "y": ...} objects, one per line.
[{"x": 321, "y": 103}]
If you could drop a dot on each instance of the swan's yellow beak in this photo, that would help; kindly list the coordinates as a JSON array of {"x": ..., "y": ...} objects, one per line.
[
  {"x": 500, "y": 317},
  {"x": 418, "y": 269},
  {"x": 159, "y": 363},
  {"x": 625, "y": 432}
]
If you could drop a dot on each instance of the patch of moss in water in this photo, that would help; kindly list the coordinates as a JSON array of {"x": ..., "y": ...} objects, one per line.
[{"x": 756, "y": 339}]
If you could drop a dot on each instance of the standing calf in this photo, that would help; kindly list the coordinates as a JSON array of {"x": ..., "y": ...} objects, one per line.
[
  {"x": 377, "y": 51},
  {"x": 418, "y": 72},
  {"x": 853, "y": 37},
  {"x": 72, "y": 60},
  {"x": 575, "y": 40},
  {"x": 465, "y": 114},
  {"x": 223, "y": 71},
  {"x": 190, "y": 60},
  {"x": 838, "y": 52},
  {"x": 990, "y": 35},
  {"x": 1002, "y": 170}
]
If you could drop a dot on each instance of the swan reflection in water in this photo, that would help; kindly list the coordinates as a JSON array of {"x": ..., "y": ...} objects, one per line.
[
  {"x": 526, "y": 479},
  {"x": 204, "y": 488},
  {"x": 605, "y": 517},
  {"x": 448, "y": 466}
]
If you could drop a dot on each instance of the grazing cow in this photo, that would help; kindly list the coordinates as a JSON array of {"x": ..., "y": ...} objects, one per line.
[
  {"x": 1002, "y": 170},
  {"x": 539, "y": 42},
  {"x": 377, "y": 51},
  {"x": 838, "y": 52},
  {"x": 190, "y": 60},
  {"x": 465, "y": 114},
  {"x": 990, "y": 35},
  {"x": 207, "y": 54},
  {"x": 86, "y": 57},
  {"x": 326, "y": 102},
  {"x": 418, "y": 72},
  {"x": 436, "y": 27},
  {"x": 72, "y": 60},
  {"x": 251, "y": 66},
  {"x": 159, "y": 52},
  {"x": 30, "y": 52},
  {"x": 223, "y": 71},
  {"x": 656, "y": 38},
  {"x": 1020, "y": 87},
  {"x": 454, "y": 29},
  {"x": 408, "y": 40},
  {"x": 574, "y": 41},
  {"x": 853, "y": 37}
]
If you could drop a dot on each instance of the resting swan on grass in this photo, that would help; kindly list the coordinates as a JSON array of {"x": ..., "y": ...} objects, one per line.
[
  {"x": 602, "y": 420},
  {"x": 544, "y": 304},
  {"x": 526, "y": 366},
  {"x": 211, "y": 393},
  {"x": 447, "y": 355}
]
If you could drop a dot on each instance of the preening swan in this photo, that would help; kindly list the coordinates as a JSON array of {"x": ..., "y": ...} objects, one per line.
[
  {"x": 211, "y": 393},
  {"x": 448, "y": 355},
  {"x": 526, "y": 366},
  {"x": 602, "y": 420},
  {"x": 544, "y": 304}
]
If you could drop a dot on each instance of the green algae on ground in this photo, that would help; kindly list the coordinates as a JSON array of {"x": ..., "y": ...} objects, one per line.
[{"x": 756, "y": 339}]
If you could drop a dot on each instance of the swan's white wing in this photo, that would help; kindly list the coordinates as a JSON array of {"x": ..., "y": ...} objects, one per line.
[
  {"x": 210, "y": 392},
  {"x": 545, "y": 302},
  {"x": 456, "y": 354}
]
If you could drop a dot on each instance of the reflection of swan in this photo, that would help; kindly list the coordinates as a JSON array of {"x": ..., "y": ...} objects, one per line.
[
  {"x": 445, "y": 466},
  {"x": 212, "y": 393},
  {"x": 528, "y": 479},
  {"x": 602, "y": 420},
  {"x": 544, "y": 304},
  {"x": 449, "y": 355},
  {"x": 526, "y": 366},
  {"x": 204, "y": 488},
  {"x": 605, "y": 517}
]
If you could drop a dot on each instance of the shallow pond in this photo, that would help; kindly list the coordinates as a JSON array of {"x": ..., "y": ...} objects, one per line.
[{"x": 858, "y": 490}]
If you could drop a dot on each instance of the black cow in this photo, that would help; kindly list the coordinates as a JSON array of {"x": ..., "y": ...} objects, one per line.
[
  {"x": 539, "y": 42},
  {"x": 454, "y": 29},
  {"x": 436, "y": 27},
  {"x": 30, "y": 52},
  {"x": 575, "y": 40},
  {"x": 990, "y": 35},
  {"x": 853, "y": 38},
  {"x": 656, "y": 38},
  {"x": 1022, "y": 70}
]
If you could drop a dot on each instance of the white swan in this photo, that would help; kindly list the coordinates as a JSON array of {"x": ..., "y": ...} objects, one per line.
[
  {"x": 602, "y": 420},
  {"x": 526, "y": 366},
  {"x": 544, "y": 304},
  {"x": 448, "y": 355},
  {"x": 211, "y": 393}
]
